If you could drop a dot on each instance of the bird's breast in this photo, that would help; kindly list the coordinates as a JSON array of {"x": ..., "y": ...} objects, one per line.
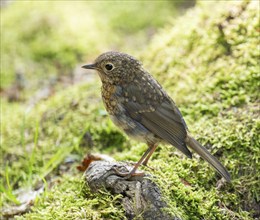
[
  {"x": 116, "y": 100},
  {"x": 108, "y": 95}
]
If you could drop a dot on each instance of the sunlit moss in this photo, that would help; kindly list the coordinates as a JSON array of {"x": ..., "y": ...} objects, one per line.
[
  {"x": 59, "y": 202},
  {"x": 208, "y": 63}
]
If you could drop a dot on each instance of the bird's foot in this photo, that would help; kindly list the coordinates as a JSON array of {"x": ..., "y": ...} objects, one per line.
[
  {"x": 143, "y": 164},
  {"x": 128, "y": 175},
  {"x": 149, "y": 167}
]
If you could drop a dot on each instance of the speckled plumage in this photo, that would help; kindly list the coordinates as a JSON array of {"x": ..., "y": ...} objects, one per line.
[{"x": 139, "y": 105}]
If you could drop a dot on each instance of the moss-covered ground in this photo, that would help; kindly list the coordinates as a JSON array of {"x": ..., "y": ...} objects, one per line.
[{"x": 208, "y": 61}]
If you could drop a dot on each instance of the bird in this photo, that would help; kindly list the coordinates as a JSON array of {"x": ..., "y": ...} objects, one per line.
[{"x": 138, "y": 105}]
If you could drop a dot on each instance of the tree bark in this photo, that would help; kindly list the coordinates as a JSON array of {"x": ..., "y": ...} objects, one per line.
[{"x": 141, "y": 197}]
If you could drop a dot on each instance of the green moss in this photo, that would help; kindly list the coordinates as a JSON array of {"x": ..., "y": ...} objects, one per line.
[
  {"x": 208, "y": 62},
  {"x": 233, "y": 138},
  {"x": 59, "y": 129},
  {"x": 59, "y": 202},
  {"x": 199, "y": 68}
]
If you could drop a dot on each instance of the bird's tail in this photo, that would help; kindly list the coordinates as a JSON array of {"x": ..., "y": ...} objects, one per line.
[{"x": 203, "y": 152}]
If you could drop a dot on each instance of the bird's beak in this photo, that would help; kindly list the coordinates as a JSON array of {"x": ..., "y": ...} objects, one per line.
[{"x": 89, "y": 66}]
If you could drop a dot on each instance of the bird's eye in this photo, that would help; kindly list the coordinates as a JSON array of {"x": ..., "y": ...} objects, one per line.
[{"x": 109, "y": 66}]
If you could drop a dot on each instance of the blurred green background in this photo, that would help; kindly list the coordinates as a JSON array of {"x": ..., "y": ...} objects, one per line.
[{"x": 43, "y": 41}]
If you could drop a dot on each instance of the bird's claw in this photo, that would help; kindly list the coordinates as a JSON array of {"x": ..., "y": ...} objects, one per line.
[{"x": 128, "y": 175}]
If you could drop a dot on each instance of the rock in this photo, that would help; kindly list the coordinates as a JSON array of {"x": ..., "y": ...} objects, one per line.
[{"x": 141, "y": 197}]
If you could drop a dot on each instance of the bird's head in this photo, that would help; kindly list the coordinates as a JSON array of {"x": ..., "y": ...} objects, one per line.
[{"x": 115, "y": 67}]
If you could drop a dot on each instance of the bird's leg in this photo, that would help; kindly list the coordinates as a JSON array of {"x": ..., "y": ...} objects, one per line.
[
  {"x": 153, "y": 148},
  {"x": 132, "y": 172}
]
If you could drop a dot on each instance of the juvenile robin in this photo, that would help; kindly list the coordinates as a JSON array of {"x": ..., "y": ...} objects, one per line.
[{"x": 139, "y": 105}]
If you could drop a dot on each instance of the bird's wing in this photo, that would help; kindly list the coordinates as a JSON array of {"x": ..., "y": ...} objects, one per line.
[{"x": 158, "y": 113}]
